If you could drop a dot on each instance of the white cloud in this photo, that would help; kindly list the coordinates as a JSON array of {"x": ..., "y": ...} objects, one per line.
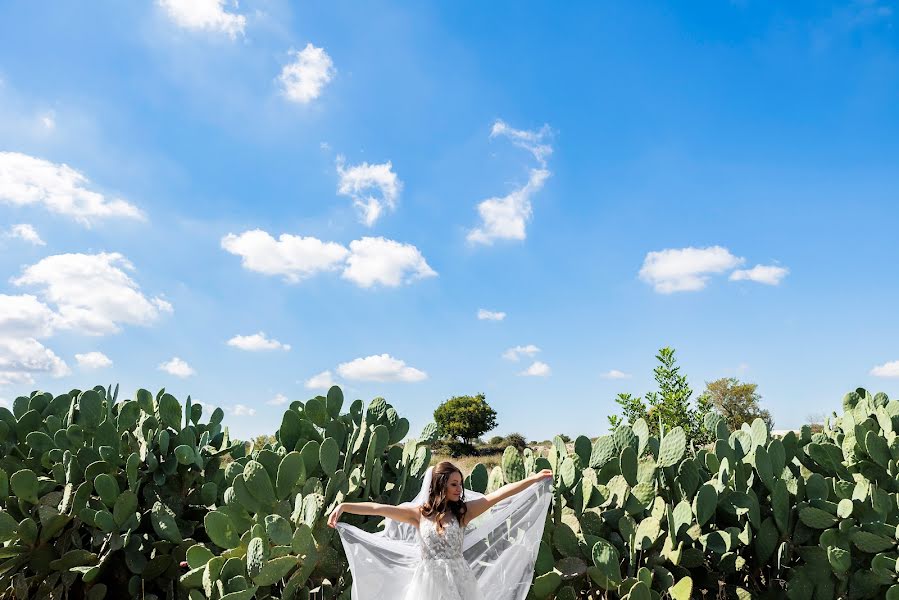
[
  {"x": 368, "y": 262},
  {"x": 26, "y": 180},
  {"x": 685, "y": 269},
  {"x": 207, "y": 15},
  {"x": 380, "y": 368},
  {"x": 26, "y": 316},
  {"x": 506, "y": 217},
  {"x": 256, "y": 342},
  {"x": 24, "y": 231},
  {"x": 489, "y": 315},
  {"x": 381, "y": 261},
  {"x": 320, "y": 381},
  {"x": 767, "y": 274},
  {"x": 48, "y": 120},
  {"x": 372, "y": 188},
  {"x": 177, "y": 367},
  {"x": 518, "y": 351},
  {"x": 303, "y": 79},
  {"x": 615, "y": 374},
  {"x": 537, "y": 369},
  {"x": 92, "y": 292},
  {"x": 93, "y": 360},
  {"x": 22, "y": 358},
  {"x": 532, "y": 141},
  {"x": 239, "y": 410},
  {"x": 278, "y": 400},
  {"x": 294, "y": 257},
  {"x": 890, "y": 369}
]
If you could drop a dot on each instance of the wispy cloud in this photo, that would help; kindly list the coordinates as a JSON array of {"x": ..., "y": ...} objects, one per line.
[
  {"x": 278, "y": 400},
  {"x": 767, "y": 274},
  {"x": 26, "y": 232},
  {"x": 490, "y": 315},
  {"x": 506, "y": 217},
  {"x": 320, "y": 381},
  {"x": 518, "y": 351},
  {"x": 615, "y": 374}
]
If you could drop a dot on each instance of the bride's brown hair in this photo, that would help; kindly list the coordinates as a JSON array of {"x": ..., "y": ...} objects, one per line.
[{"x": 438, "y": 505}]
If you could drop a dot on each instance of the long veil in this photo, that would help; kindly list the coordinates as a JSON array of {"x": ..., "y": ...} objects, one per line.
[{"x": 500, "y": 546}]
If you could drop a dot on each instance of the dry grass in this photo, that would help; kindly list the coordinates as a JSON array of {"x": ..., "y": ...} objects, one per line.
[{"x": 467, "y": 463}]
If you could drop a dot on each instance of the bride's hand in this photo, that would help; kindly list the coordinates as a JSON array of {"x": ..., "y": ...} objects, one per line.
[
  {"x": 335, "y": 516},
  {"x": 544, "y": 474}
]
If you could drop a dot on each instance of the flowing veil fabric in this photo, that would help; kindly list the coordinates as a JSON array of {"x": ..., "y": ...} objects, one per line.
[{"x": 500, "y": 546}]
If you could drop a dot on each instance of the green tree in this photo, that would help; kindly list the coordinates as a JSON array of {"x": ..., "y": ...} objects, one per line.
[
  {"x": 737, "y": 401},
  {"x": 669, "y": 407},
  {"x": 465, "y": 417}
]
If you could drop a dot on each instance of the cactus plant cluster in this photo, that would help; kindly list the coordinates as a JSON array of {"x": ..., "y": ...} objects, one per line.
[
  {"x": 100, "y": 497},
  {"x": 806, "y": 516},
  {"x": 269, "y": 537},
  {"x": 101, "y": 494}
]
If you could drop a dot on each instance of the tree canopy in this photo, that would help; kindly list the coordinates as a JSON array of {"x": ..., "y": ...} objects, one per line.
[
  {"x": 737, "y": 401},
  {"x": 465, "y": 417}
]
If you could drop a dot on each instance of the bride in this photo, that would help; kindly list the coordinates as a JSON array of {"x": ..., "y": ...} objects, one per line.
[{"x": 449, "y": 543}]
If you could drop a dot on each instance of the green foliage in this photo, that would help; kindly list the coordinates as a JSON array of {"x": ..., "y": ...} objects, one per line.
[
  {"x": 669, "y": 407},
  {"x": 736, "y": 401},
  {"x": 111, "y": 499},
  {"x": 465, "y": 417}
]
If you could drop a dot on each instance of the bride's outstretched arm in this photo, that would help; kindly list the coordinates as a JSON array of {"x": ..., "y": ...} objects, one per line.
[
  {"x": 406, "y": 514},
  {"x": 481, "y": 505}
]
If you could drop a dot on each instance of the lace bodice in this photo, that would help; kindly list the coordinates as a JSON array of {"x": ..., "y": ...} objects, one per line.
[{"x": 436, "y": 546}]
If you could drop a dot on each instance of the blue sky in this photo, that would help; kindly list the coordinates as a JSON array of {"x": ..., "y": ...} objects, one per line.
[{"x": 358, "y": 180}]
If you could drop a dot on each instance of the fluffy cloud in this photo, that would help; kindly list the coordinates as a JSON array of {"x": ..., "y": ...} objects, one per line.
[
  {"x": 93, "y": 360},
  {"x": 207, "y": 15},
  {"x": 372, "y": 188},
  {"x": 26, "y": 232},
  {"x": 381, "y": 261},
  {"x": 177, "y": 367},
  {"x": 292, "y": 256},
  {"x": 489, "y": 315},
  {"x": 369, "y": 261},
  {"x": 320, "y": 381},
  {"x": 26, "y": 180},
  {"x": 506, "y": 217},
  {"x": 767, "y": 274},
  {"x": 256, "y": 342},
  {"x": 278, "y": 400},
  {"x": 615, "y": 374},
  {"x": 537, "y": 369},
  {"x": 890, "y": 369},
  {"x": 685, "y": 269},
  {"x": 303, "y": 79},
  {"x": 518, "y": 351},
  {"x": 22, "y": 358},
  {"x": 92, "y": 292},
  {"x": 26, "y": 316},
  {"x": 379, "y": 367}
]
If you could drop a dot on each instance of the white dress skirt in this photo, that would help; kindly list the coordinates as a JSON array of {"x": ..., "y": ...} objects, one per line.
[{"x": 443, "y": 573}]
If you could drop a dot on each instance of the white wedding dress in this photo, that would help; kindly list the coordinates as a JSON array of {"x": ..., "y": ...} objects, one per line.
[{"x": 491, "y": 558}]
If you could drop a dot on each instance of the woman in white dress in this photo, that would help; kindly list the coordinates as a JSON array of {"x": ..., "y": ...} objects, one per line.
[{"x": 437, "y": 548}]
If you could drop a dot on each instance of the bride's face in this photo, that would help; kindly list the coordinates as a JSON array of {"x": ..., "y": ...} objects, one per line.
[{"x": 454, "y": 487}]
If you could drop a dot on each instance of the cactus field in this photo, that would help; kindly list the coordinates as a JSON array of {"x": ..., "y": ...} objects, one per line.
[{"x": 108, "y": 497}]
